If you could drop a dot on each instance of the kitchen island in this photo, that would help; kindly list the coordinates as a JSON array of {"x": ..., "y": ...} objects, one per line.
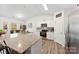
[{"x": 22, "y": 42}]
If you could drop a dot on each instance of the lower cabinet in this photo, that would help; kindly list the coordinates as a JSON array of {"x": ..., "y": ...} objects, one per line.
[{"x": 50, "y": 35}]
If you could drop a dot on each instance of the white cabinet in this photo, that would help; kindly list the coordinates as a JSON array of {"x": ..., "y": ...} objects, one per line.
[{"x": 50, "y": 35}]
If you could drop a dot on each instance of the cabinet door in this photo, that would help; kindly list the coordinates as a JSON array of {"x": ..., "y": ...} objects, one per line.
[{"x": 50, "y": 35}]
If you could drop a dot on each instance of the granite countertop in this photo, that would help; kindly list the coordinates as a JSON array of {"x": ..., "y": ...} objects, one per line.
[{"x": 22, "y": 42}]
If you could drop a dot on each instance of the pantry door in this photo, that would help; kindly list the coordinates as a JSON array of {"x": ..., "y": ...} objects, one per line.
[{"x": 59, "y": 35}]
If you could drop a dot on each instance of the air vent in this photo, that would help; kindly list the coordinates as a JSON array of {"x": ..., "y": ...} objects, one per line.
[{"x": 59, "y": 15}]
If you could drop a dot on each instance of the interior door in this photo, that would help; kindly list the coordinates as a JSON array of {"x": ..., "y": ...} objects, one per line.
[{"x": 59, "y": 28}]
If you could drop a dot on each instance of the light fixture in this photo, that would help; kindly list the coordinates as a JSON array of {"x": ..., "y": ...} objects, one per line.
[
  {"x": 45, "y": 6},
  {"x": 19, "y": 15}
]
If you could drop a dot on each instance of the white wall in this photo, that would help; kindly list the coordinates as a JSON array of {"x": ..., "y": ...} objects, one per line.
[{"x": 38, "y": 20}]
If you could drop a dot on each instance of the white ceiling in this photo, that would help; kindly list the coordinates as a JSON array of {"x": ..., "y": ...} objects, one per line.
[{"x": 31, "y": 10}]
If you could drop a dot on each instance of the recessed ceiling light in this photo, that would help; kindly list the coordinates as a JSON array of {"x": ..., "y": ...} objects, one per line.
[
  {"x": 19, "y": 15},
  {"x": 45, "y": 6}
]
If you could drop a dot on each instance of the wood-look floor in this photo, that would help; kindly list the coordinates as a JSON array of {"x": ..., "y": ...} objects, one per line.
[{"x": 51, "y": 47}]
